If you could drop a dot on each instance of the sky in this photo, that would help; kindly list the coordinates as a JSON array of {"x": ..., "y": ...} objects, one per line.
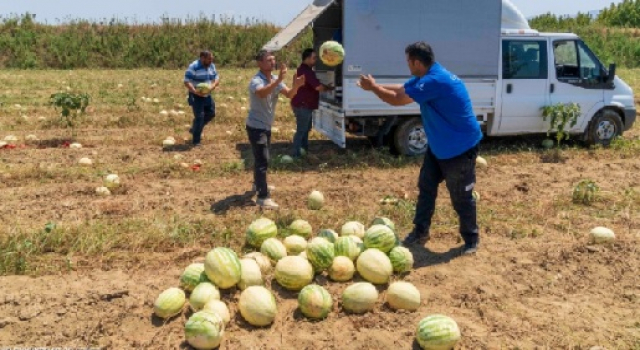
[{"x": 279, "y": 12}]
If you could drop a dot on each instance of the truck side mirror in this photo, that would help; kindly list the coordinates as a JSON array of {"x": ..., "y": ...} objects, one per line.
[{"x": 612, "y": 73}]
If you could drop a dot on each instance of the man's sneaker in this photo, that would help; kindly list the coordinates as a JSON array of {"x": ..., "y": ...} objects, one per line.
[
  {"x": 470, "y": 248},
  {"x": 267, "y": 203},
  {"x": 415, "y": 238}
]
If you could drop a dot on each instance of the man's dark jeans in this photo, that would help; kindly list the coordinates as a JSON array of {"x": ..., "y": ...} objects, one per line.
[
  {"x": 459, "y": 174},
  {"x": 303, "y": 126},
  {"x": 260, "y": 142},
  {"x": 204, "y": 110}
]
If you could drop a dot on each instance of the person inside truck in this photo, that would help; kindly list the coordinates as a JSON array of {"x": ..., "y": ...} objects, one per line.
[
  {"x": 453, "y": 133},
  {"x": 306, "y": 101}
]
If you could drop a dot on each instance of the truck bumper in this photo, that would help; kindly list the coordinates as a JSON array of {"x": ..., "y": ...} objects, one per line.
[{"x": 629, "y": 118}]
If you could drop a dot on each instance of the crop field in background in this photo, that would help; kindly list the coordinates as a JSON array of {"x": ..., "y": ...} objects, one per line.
[{"x": 83, "y": 270}]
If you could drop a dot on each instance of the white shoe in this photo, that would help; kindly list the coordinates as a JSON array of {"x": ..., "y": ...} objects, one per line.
[{"x": 267, "y": 203}]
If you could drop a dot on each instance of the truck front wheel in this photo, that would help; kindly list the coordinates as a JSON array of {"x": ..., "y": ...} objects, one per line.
[
  {"x": 409, "y": 138},
  {"x": 604, "y": 127}
]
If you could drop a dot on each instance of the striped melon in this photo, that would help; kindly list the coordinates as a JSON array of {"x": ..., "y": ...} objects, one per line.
[
  {"x": 169, "y": 303},
  {"x": 353, "y": 228},
  {"x": 251, "y": 274},
  {"x": 204, "y": 330},
  {"x": 328, "y": 234},
  {"x": 301, "y": 228},
  {"x": 437, "y": 332},
  {"x": 374, "y": 266},
  {"x": 342, "y": 269},
  {"x": 218, "y": 307},
  {"x": 202, "y": 294},
  {"x": 262, "y": 260},
  {"x": 273, "y": 249},
  {"x": 257, "y": 306},
  {"x": 380, "y": 237},
  {"x": 192, "y": 276},
  {"x": 260, "y": 230},
  {"x": 295, "y": 244},
  {"x": 381, "y": 220},
  {"x": 315, "y": 302},
  {"x": 359, "y": 297},
  {"x": 401, "y": 259},
  {"x": 293, "y": 272},
  {"x": 320, "y": 253},
  {"x": 403, "y": 296},
  {"x": 347, "y": 246},
  {"x": 222, "y": 267}
]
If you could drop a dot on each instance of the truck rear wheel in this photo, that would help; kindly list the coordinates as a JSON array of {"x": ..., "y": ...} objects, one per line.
[
  {"x": 604, "y": 127},
  {"x": 409, "y": 138}
]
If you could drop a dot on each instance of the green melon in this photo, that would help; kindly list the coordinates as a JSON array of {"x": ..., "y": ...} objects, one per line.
[
  {"x": 222, "y": 267},
  {"x": 169, "y": 303},
  {"x": 401, "y": 259},
  {"x": 437, "y": 332},
  {"x": 315, "y": 302},
  {"x": 293, "y": 272},
  {"x": 192, "y": 276},
  {"x": 380, "y": 237},
  {"x": 359, "y": 297},
  {"x": 273, "y": 249},
  {"x": 260, "y": 230},
  {"x": 328, "y": 234},
  {"x": 381, "y": 220},
  {"x": 295, "y": 244},
  {"x": 374, "y": 266},
  {"x": 301, "y": 228},
  {"x": 346, "y": 246},
  {"x": 320, "y": 253}
]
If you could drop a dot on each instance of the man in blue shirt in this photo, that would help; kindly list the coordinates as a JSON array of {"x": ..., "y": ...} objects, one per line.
[
  {"x": 453, "y": 133},
  {"x": 204, "y": 109}
]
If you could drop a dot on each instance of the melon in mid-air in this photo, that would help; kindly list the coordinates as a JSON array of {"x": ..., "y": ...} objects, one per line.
[{"x": 331, "y": 53}]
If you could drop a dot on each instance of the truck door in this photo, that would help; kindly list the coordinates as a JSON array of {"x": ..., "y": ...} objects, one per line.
[
  {"x": 524, "y": 85},
  {"x": 577, "y": 77}
]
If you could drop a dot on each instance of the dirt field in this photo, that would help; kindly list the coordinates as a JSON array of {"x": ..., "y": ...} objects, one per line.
[{"x": 90, "y": 281}]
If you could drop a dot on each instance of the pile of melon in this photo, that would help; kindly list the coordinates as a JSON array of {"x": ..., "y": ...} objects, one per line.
[{"x": 293, "y": 257}]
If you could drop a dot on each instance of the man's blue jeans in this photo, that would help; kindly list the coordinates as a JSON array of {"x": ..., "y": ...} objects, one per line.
[
  {"x": 204, "y": 110},
  {"x": 303, "y": 126}
]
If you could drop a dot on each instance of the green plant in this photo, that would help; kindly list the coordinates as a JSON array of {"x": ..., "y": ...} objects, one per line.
[
  {"x": 561, "y": 115},
  {"x": 585, "y": 192},
  {"x": 72, "y": 107}
]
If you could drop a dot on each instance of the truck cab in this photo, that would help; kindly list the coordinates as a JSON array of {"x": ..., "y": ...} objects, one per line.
[{"x": 510, "y": 70}]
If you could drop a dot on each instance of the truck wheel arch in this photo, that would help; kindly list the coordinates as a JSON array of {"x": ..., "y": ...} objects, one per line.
[{"x": 604, "y": 127}]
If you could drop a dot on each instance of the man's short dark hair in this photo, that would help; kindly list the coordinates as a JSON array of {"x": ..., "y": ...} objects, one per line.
[
  {"x": 307, "y": 53},
  {"x": 205, "y": 53},
  {"x": 262, "y": 54},
  {"x": 422, "y": 52}
]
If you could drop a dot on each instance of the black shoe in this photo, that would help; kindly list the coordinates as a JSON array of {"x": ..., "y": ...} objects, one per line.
[
  {"x": 470, "y": 249},
  {"x": 191, "y": 131},
  {"x": 415, "y": 238}
]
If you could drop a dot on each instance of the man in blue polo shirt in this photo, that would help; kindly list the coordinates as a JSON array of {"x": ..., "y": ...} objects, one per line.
[
  {"x": 204, "y": 109},
  {"x": 453, "y": 133}
]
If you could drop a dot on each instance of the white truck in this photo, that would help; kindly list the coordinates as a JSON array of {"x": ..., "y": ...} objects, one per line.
[{"x": 510, "y": 70}]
